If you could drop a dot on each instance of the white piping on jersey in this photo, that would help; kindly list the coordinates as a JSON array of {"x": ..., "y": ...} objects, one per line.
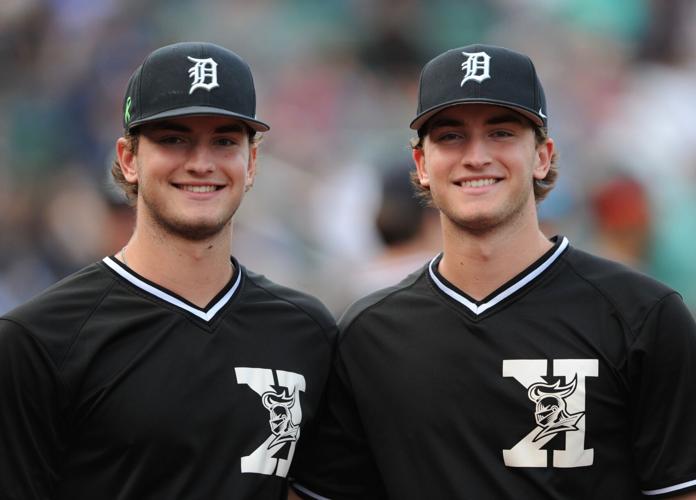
[
  {"x": 205, "y": 316},
  {"x": 670, "y": 489},
  {"x": 478, "y": 309},
  {"x": 308, "y": 492}
]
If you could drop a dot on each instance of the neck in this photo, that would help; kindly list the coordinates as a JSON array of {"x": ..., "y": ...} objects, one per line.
[
  {"x": 480, "y": 263},
  {"x": 194, "y": 270}
]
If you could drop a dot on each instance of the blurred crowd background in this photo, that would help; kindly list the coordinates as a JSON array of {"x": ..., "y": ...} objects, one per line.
[{"x": 331, "y": 211}]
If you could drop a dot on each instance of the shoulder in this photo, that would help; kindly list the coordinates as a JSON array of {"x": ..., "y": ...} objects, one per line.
[
  {"x": 71, "y": 293},
  {"x": 630, "y": 292},
  {"x": 392, "y": 300},
  {"x": 263, "y": 291},
  {"x": 614, "y": 278},
  {"x": 54, "y": 317}
]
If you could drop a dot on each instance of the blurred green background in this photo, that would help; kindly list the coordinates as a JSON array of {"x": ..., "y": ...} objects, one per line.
[{"x": 336, "y": 80}]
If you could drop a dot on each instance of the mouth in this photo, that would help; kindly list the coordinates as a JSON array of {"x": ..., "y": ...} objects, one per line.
[
  {"x": 477, "y": 183},
  {"x": 205, "y": 188}
]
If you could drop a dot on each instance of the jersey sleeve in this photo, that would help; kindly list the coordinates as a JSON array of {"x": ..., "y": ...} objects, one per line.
[
  {"x": 333, "y": 459},
  {"x": 29, "y": 416},
  {"x": 662, "y": 367}
]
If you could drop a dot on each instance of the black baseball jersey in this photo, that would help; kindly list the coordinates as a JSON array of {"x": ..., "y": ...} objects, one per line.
[
  {"x": 114, "y": 388},
  {"x": 574, "y": 380}
]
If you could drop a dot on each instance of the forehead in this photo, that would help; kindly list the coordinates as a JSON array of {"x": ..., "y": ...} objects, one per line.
[
  {"x": 198, "y": 123},
  {"x": 470, "y": 114}
]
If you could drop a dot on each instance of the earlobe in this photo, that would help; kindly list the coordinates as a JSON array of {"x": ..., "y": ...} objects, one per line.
[{"x": 126, "y": 159}]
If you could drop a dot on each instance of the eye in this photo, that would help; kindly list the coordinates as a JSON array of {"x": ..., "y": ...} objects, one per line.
[
  {"x": 226, "y": 141},
  {"x": 448, "y": 137},
  {"x": 170, "y": 139},
  {"x": 502, "y": 133}
]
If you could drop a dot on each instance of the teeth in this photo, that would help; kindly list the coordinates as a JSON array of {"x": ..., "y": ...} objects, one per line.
[
  {"x": 478, "y": 183},
  {"x": 199, "y": 189}
]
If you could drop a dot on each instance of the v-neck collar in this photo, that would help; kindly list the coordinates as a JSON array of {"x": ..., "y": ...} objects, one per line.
[
  {"x": 206, "y": 313},
  {"x": 517, "y": 283}
]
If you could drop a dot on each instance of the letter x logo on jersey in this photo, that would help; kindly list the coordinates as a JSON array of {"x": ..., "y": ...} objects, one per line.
[
  {"x": 280, "y": 395},
  {"x": 204, "y": 74},
  {"x": 559, "y": 408},
  {"x": 476, "y": 67}
]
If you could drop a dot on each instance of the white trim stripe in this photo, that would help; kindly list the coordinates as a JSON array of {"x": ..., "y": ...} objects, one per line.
[
  {"x": 478, "y": 309},
  {"x": 670, "y": 489},
  {"x": 205, "y": 316},
  {"x": 304, "y": 490}
]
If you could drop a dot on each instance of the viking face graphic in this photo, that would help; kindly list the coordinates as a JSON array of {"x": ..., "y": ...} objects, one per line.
[
  {"x": 548, "y": 410},
  {"x": 551, "y": 411},
  {"x": 278, "y": 405}
]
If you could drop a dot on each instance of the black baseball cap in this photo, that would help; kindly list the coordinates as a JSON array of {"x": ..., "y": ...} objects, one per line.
[
  {"x": 482, "y": 74},
  {"x": 191, "y": 78}
]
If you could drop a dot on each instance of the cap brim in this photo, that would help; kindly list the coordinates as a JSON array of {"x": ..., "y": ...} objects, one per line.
[
  {"x": 255, "y": 124},
  {"x": 420, "y": 120}
]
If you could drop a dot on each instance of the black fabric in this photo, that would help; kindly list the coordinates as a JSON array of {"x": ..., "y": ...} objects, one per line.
[
  {"x": 430, "y": 400},
  {"x": 109, "y": 390},
  {"x": 164, "y": 86},
  {"x": 510, "y": 80}
]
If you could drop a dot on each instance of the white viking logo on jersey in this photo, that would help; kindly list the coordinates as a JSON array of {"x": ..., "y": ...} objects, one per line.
[
  {"x": 280, "y": 395},
  {"x": 279, "y": 405},
  {"x": 476, "y": 67},
  {"x": 204, "y": 74},
  {"x": 558, "y": 409},
  {"x": 551, "y": 412}
]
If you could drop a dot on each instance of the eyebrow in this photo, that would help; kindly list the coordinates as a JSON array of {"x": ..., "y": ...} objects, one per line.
[
  {"x": 506, "y": 118},
  {"x": 445, "y": 122},
  {"x": 231, "y": 128}
]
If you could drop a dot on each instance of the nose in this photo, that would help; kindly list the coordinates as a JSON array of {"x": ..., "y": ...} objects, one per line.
[
  {"x": 201, "y": 160},
  {"x": 476, "y": 154}
]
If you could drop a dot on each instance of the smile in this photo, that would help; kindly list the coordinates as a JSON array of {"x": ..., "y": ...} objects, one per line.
[
  {"x": 477, "y": 183},
  {"x": 199, "y": 189}
]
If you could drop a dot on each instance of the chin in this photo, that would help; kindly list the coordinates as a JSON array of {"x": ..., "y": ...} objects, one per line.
[
  {"x": 196, "y": 230},
  {"x": 479, "y": 222},
  {"x": 196, "y": 233}
]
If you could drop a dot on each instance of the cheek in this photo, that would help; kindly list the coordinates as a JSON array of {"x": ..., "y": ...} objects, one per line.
[
  {"x": 238, "y": 168},
  {"x": 149, "y": 172},
  {"x": 436, "y": 163}
]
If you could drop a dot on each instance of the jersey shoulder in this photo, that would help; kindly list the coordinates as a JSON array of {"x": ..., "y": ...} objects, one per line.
[
  {"x": 54, "y": 317},
  {"x": 390, "y": 299},
  {"x": 631, "y": 292},
  {"x": 263, "y": 288}
]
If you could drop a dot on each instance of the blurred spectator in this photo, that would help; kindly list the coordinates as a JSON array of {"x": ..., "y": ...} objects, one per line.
[
  {"x": 337, "y": 80},
  {"x": 622, "y": 221},
  {"x": 651, "y": 132},
  {"x": 409, "y": 235},
  {"x": 119, "y": 217}
]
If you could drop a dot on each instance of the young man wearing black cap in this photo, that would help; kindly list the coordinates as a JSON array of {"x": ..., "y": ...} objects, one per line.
[
  {"x": 511, "y": 365},
  {"x": 167, "y": 370}
]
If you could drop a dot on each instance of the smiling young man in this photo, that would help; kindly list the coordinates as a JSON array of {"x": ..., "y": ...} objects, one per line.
[
  {"x": 511, "y": 365},
  {"x": 167, "y": 370}
]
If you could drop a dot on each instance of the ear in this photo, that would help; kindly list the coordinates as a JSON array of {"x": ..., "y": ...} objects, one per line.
[
  {"x": 419, "y": 160},
  {"x": 544, "y": 153},
  {"x": 251, "y": 167},
  {"x": 127, "y": 160}
]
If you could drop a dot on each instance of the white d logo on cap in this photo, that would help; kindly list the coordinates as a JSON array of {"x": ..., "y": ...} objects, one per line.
[
  {"x": 476, "y": 67},
  {"x": 204, "y": 74}
]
